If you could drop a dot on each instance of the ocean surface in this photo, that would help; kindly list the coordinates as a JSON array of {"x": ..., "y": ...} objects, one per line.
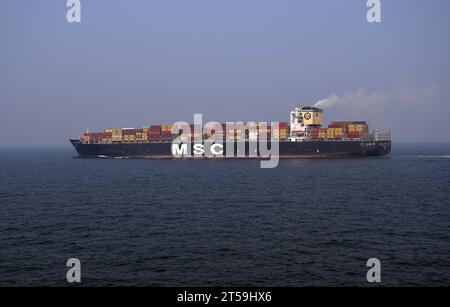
[{"x": 224, "y": 223}]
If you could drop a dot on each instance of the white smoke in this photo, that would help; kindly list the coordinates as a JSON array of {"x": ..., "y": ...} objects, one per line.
[
  {"x": 405, "y": 111},
  {"x": 360, "y": 99},
  {"x": 363, "y": 99},
  {"x": 327, "y": 102}
]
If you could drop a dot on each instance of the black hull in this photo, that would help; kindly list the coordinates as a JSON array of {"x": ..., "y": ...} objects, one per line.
[{"x": 308, "y": 149}]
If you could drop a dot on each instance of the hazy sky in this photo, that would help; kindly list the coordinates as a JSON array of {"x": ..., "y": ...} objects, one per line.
[{"x": 133, "y": 63}]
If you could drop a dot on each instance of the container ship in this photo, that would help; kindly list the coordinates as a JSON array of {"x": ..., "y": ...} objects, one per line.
[{"x": 302, "y": 137}]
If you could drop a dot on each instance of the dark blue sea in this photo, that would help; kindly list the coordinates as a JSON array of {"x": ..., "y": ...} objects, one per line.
[{"x": 224, "y": 223}]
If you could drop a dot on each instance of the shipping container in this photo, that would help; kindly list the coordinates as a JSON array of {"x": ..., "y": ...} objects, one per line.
[
  {"x": 129, "y": 131},
  {"x": 166, "y": 127},
  {"x": 356, "y": 134},
  {"x": 168, "y": 137},
  {"x": 155, "y": 128},
  {"x": 358, "y": 127},
  {"x": 330, "y": 133},
  {"x": 322, "y": 133},
  {"x": 153, "y": 138},
  {"x": 339, "y": 123}
]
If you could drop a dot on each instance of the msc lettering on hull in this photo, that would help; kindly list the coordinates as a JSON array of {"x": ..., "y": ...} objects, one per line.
[{"x": 182, "y": 150}]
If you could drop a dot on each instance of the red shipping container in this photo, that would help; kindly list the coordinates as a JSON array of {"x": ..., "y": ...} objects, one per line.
[
  {"x": 355, "y": 134},
  {"x": 337, "y": 126}
]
